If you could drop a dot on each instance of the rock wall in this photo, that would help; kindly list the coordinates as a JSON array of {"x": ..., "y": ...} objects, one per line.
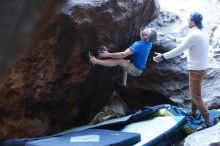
[
  {"x": 22, "y": 22},
  {"x": 53, "y": 86},
  {"x": 170, "y": 77},
  {"x": 206, "y": 137}
]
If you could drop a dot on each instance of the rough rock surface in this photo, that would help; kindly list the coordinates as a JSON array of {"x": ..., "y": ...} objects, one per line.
[
  {"x": 114, "y": 109},
  {"x": 53, "y": 86},
  {"x": 207, "y": 137},
  {"x": 171, "y": 77},
  {"x": 22, "y": 22},
  {"x": 168, "y": 77},
  {"x": 175, "y": 84}
]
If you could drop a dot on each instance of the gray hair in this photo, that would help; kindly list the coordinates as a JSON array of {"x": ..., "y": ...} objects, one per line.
[{"x": 152, "y": 35}]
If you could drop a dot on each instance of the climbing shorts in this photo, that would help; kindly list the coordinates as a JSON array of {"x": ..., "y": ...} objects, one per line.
[{"x": 133, "y": 70}]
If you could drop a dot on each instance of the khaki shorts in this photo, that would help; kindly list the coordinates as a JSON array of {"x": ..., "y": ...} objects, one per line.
[{"x": 132, "y": 69}]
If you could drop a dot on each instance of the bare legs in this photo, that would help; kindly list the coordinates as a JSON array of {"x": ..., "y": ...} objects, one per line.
[
  {"x": 113, "y": 62},
  {"x": 124, "y": 77}
]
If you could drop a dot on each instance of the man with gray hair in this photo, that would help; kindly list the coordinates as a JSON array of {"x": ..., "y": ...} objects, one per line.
[{"x": 139, "y": 52}]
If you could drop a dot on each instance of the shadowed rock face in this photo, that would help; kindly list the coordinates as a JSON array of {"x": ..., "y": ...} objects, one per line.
[
  {"x": 53, "y": 86},
  {"x": 169, "y": 77},
  {"x": 137, "y": 98},
  {"x": 22, "y": 22}
]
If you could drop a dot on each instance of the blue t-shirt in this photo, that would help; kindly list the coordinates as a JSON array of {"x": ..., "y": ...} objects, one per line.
[{"x": 141, "y": 50}]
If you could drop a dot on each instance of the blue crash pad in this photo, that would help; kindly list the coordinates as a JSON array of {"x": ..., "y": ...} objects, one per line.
[{"x": 89, "y": 137}]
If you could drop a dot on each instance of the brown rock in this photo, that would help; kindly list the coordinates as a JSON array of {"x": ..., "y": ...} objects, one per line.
[
  {"x": 53, "y": 86},
  {"x": 22, "y": 22}
]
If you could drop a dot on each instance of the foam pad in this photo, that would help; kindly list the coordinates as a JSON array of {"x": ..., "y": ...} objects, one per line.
[
  {"x": 156, "y": 129},
  {"x": 89, "y": 137}
]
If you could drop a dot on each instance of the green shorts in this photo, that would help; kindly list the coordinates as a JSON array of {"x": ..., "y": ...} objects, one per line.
[{"x": 132, "y": 69}]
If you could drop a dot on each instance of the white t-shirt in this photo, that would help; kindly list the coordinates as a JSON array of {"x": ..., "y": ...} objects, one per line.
[{"x": 197, "y": 42}]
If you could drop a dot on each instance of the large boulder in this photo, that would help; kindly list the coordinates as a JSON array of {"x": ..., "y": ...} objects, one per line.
[
  {"x": 22, "y": 22},
  {"x": 207, "y": 137},
  {"x": 170, "y": 77},
  {"x": 53, "y": 86}
]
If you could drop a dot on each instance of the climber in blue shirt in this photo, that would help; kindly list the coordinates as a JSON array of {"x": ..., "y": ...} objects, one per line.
[{"x": 139, "y": 52}]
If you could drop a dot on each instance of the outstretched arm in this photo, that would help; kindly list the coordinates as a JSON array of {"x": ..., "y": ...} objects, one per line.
[
  {"x": 186, "y": 44},
  {"x": 117, "y": 55},
  {"x": 176, "y": 39}
]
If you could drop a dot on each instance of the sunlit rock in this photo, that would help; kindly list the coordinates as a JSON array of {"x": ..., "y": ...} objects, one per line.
[{"x": 207, "y": 137}]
